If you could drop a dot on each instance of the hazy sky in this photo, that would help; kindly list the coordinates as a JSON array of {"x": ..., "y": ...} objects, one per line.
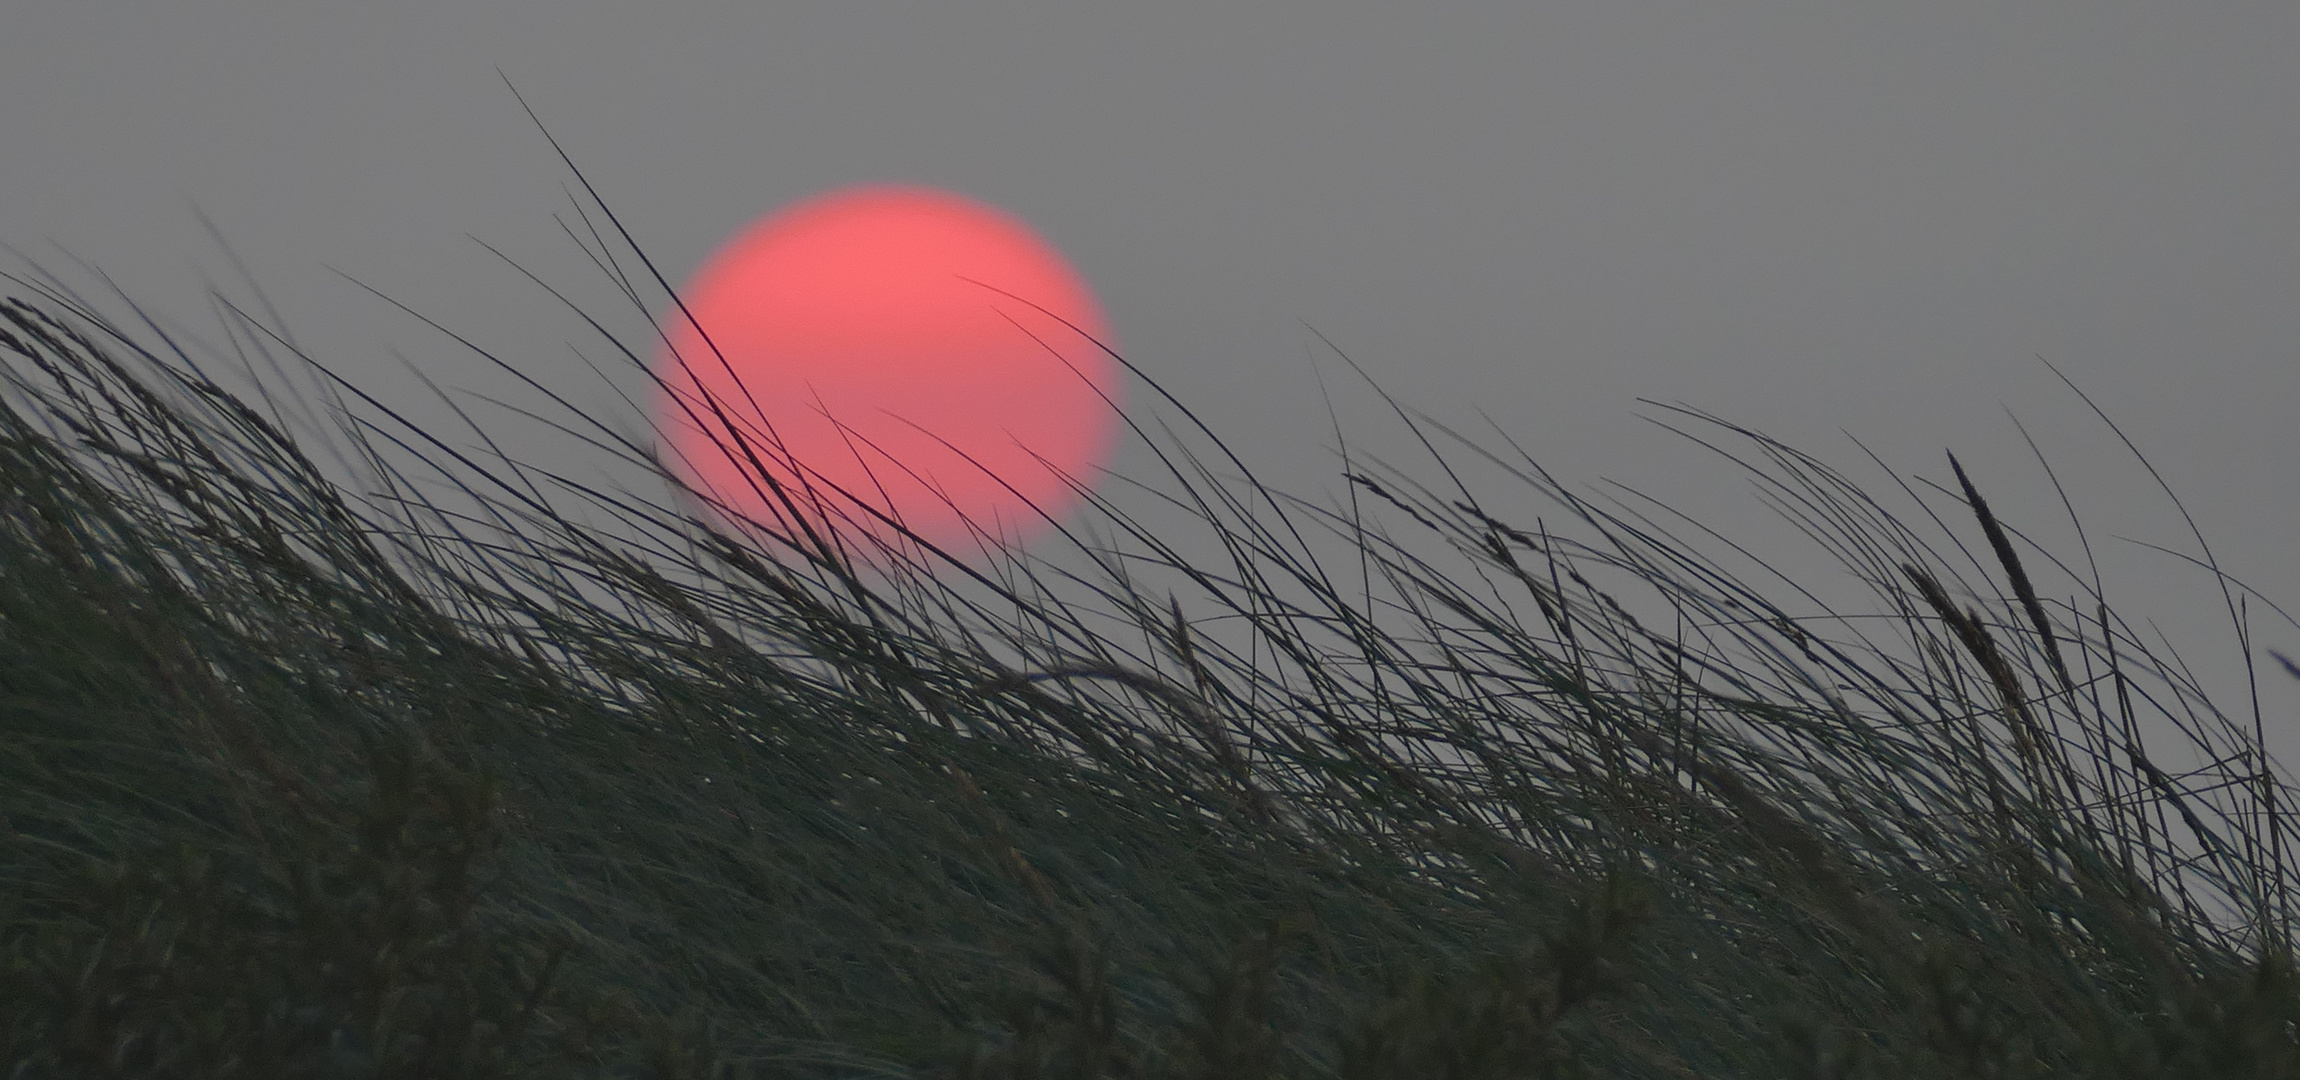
[{"x": 1810, "y": 217}]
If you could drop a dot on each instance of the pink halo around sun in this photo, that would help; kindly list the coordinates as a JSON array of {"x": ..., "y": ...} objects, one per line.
[{"x": 901, "y": 345}]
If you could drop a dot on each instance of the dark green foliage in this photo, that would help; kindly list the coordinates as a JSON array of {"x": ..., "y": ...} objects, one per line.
[
  {"x": 1502, "y": 1019},
  {"x": 351, "y": 947},
  {"x": 301, "y": 784}
]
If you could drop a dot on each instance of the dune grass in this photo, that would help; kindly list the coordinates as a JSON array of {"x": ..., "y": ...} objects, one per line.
[{"x": 304, "y": 782}]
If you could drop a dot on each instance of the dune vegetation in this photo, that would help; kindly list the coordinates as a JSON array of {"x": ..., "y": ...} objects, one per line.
[{"x": 305, "y": 781}]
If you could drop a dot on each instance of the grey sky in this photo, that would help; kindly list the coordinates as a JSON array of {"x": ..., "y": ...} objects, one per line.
[{"x": 1805, "y": 216}]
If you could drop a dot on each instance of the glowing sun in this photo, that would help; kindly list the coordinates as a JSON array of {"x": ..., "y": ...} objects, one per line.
[{"x": 898, "y": 348}]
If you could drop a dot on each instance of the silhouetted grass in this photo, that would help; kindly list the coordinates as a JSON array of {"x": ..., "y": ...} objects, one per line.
[{"x": 297, "y": 783}]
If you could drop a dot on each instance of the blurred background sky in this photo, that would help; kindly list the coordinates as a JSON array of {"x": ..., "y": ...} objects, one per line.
[{"x": 1812, "y": 217}]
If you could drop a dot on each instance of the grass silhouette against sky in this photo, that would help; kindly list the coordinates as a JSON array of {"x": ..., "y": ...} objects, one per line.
[{"x": 300, "y": 780}]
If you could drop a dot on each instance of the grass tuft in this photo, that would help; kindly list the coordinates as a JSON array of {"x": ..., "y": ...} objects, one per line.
[{"x": 301, "y": 782}]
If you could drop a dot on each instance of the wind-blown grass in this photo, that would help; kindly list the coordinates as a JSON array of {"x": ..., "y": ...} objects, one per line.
[{"x": 303, "y": 783}]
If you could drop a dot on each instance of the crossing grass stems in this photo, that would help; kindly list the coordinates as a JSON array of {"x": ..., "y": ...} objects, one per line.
[{"x": 303, "y": 782}]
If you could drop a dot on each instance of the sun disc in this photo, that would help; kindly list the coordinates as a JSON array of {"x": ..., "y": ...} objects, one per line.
[{"x": 889, "y": 352}]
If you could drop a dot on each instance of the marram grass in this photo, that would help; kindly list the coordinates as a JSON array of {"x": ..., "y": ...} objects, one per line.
[{"x": 299, "y": 782}]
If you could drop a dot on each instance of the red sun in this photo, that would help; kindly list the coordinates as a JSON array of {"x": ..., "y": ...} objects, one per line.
[{"x": 893, "y": 349}]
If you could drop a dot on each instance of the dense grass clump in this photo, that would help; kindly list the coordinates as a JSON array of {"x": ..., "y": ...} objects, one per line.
[{"x": 299, "y": 782}]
